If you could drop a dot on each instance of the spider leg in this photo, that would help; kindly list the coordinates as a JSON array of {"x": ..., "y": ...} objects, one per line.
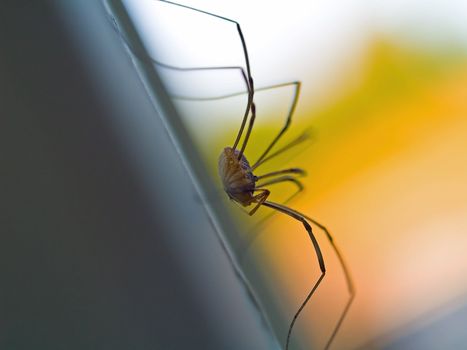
[
  {"x": 254, "y": 233},
  {"x": 300, "y": 217},
  {"x": 303, "y": 137},
  {"x": 348, "y": 278},
  {"x": 288, "y": 120},
  {"x": 297, "y": 182},
  {"x": 297, "y": 87},
  {"x": 250, "y": 84},
  {"x": 233, "y": 94},
  {"x": 262, "y": 158},
  {"x": 259, "y": 199},
  {"x": 246, "y": 75},
  {"x": 284, "y": 171},
  {"x": 282, "y": 179},
  {"x": 350, "y": 285},
  {"x": 250, "y": 127},
  {"x": 250, "y": 104}
]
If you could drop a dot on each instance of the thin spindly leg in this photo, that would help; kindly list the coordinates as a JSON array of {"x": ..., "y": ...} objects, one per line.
[
  {"x": 298, "y": 171},
  {"x": 145, "y": 57},
  {"x": 259, "y": 199},
  {"x": 255, "y": 232},
  {"x": 297, "y": 86},
  {"x": 250, "y": 103},
  {"x": 348, "y": 278},
  {"x": 234, "y": 94},
  {"x": 297, "y": 182},
  {"x": 300, "y": 217},
  {"x": 250, "y": 127},
  {"x": 247, "y": 63},
  {"x": 262, "y": 158},
  {"x": 350, "y": 285},
  {"x": 282, "y": 179},
  {"x": 303, "y": 137},
  {"x": 246, "y": 76}
]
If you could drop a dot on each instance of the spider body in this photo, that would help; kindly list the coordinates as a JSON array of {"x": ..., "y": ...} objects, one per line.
[{"x": 237, "y": 176}]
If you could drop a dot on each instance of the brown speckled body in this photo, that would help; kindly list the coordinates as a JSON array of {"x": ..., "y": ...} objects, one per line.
[{"x": 237, "y": 176}]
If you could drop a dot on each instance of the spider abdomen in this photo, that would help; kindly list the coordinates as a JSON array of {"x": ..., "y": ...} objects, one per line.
[{"x": 237, "y": 176}]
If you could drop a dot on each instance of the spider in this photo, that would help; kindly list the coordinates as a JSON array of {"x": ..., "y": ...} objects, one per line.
[{"x": 247, "y": 189}]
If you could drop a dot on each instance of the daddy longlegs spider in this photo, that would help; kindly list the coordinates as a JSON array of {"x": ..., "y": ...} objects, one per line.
[{"x": 245, "y": 188}]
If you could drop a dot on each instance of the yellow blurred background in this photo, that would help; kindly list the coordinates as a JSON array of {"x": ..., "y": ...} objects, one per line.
[{"x": 388, "y": 176}]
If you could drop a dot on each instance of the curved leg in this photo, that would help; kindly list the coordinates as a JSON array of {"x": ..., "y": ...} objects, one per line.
[
  {"x": 242, "y": 39},
  {"x": 303, "y": 137},
  {"x": 350, "y": 285},
  {"x": 297, "y": 86},
  {"x": 250, "y": 85},
  {"x": 259, "y": 199},
  {"x": 248, "y": 132},
  {"x": 253, "y": 234},
  {"x": 246, "y": 75},
  {"x": 263, "y": 157},
  {"x": 238, "y": 93},
  {"x": 284, "y": 171},
  {"x": 282, "y": 179},
  {"x": 297, "y": 182},
  {"x": 250, "y": 103},
  {"x": 298, "y": 216}
]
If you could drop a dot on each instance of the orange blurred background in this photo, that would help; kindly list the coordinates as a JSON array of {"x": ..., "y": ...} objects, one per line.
[{"x": 388, "y": 176}]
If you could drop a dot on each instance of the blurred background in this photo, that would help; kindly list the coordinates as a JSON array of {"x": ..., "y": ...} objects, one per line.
[{"x": 385, "y": 99}]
